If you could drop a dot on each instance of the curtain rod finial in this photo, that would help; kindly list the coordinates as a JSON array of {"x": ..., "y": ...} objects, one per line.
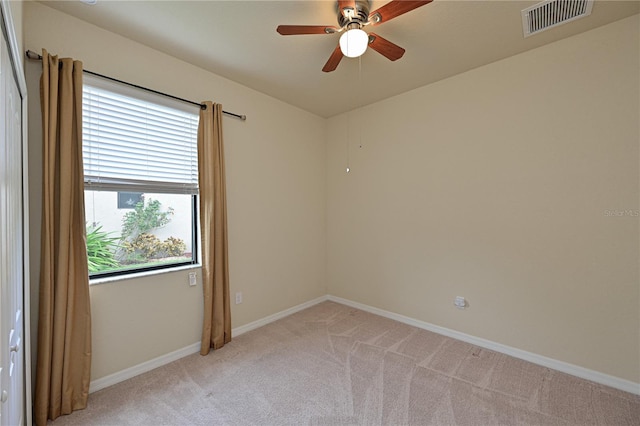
[{"x": 33, "y": 55}]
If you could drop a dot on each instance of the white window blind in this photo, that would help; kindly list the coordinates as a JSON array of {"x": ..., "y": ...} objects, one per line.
[{"x": 137, "y": 141}]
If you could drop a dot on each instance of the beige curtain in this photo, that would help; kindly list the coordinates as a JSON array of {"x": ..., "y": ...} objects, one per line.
[
  {"x": 64, "y": 324},
  {"x": 216, "y": 330}
]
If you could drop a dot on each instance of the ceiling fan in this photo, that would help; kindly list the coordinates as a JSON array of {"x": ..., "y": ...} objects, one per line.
[{"x": 353, "y": 16}]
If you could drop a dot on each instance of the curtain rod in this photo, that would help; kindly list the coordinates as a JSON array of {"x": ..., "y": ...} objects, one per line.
[{"x": 33, "y": 55}]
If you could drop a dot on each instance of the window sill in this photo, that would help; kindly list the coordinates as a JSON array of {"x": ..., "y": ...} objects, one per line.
[{"x": 136, "y": 275}]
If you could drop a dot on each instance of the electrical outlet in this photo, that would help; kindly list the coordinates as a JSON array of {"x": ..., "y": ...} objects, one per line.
[
  {"x": 238, "y": 298},
  {"x": 192, "y": 279}
]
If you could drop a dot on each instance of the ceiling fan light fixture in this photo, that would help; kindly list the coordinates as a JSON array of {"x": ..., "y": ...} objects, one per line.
[{"x": 353, "y": 43}]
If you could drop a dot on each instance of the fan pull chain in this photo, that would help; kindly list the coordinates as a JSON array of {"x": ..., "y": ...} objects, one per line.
[
  {"x": 360, "y": 102},
  {"x": 359, "y": 107},
  {"x": 348, "y": 137}
]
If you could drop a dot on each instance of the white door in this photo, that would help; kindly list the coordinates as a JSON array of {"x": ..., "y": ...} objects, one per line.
[{"x": 12, "y": 360}]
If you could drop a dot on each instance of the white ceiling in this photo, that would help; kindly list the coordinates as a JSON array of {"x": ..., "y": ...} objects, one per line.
[{"x": 238, "y": 40}]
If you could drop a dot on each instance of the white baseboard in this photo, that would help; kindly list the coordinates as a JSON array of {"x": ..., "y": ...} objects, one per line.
[
  {"x": 271, "y": 318},
  {"x": 131, "y": 372},
  {"x": 136, "y": 370},
  {"x": 574, "y": 370}
]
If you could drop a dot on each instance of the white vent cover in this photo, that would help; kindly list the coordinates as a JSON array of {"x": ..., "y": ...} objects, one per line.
[{"x": 551, "y": 13}]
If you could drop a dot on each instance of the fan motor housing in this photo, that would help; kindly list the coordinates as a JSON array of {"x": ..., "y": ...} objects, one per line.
[{"x": 348, "y": 16}]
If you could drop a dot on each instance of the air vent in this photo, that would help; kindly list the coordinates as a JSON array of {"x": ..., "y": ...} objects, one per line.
[{"x": 551, "y": 13}]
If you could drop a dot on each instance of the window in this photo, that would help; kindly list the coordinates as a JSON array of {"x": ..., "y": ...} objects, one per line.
[{"x": 141, "y": 179}]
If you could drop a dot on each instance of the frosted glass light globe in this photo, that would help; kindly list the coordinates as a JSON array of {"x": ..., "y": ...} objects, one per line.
[{"x": 353, "y": 43}]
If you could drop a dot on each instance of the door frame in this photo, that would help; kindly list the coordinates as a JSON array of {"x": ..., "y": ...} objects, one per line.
[{"x": 15, "y": 56}]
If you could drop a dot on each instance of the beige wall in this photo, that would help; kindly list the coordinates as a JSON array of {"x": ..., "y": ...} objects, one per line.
[
  {"x": 275, "y": 189},
  {"x": 502, "y": 185}
]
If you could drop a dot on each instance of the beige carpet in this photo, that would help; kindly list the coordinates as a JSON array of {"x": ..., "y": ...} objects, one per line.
[{"x": 335, "y": 365}]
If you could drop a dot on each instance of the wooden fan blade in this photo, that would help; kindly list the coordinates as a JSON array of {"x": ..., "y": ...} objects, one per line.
[
  {"x": 305, "y": 29},
  {"x": 333, "y": 61},
  {"x": 394, "y": 9},
  {"x": 385, "y": 47}
]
